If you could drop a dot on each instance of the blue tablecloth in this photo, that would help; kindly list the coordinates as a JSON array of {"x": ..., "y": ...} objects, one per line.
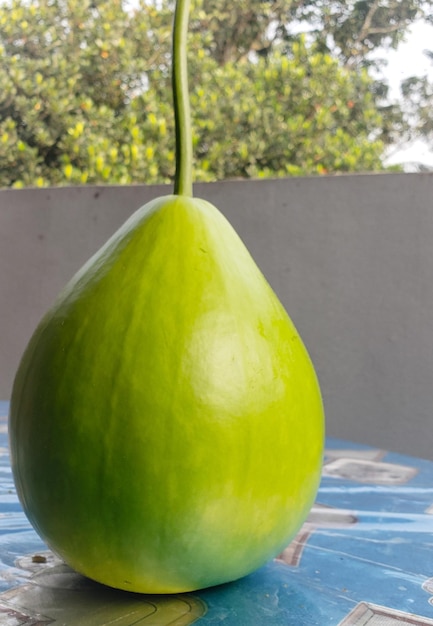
[{"x": 364, "y": 557}]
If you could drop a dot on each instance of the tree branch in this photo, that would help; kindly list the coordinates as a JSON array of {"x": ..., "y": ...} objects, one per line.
[{"x": 366, "y": 27}]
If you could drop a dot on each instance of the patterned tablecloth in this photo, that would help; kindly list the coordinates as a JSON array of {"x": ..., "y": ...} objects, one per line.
[{"x": 363, "y": 558}]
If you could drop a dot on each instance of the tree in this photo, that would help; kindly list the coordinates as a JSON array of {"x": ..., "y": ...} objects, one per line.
[
  {"x": 68, "y": 75},
  {"x": 347, "y": 29},
  {"x": 85, "y": 90},
  {"x": 332, "y": 125},
  {"x": 417, "y": 95}
]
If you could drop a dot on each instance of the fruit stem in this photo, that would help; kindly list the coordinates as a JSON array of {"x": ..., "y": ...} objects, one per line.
[{"x": 182, "y": 118}]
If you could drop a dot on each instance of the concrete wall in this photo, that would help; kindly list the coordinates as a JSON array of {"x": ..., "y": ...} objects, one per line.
[{"x": 351, "y": 258}]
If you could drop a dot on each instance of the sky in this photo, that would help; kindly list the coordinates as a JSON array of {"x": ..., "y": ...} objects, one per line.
[{"x": 409, "y": 60}]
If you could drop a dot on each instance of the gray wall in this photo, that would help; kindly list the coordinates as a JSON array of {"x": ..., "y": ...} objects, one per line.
[{"x": 351, "y": 258}]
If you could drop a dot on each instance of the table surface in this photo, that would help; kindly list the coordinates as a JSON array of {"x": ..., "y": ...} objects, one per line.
[{"x": 363, "y": 558}]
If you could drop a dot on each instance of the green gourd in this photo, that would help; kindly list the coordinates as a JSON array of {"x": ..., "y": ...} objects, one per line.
[{"x": 166, "y": 423}]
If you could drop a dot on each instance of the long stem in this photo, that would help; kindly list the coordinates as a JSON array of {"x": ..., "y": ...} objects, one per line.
[{"x": 182, "y": 118}]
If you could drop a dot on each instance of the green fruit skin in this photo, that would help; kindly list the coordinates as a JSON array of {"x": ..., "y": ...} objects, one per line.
[{"x": 166, "y": 423}]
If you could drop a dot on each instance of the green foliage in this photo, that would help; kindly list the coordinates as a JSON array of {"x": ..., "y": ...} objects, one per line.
[
  {"x": 85, "y": 93},
  {"x": 349, "y": 29},
  {"x": 418, "y": 94},
  {"x": 332, "y": 124},
  {"x": 69, "y": 74},
  {"x": 354, "y": 28}
]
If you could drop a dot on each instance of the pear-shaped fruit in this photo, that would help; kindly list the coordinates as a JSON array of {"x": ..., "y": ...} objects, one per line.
[{"x": 166, "y": 422}]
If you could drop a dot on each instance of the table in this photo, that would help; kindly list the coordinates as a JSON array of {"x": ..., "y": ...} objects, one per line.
[{"x": 363, "y": 558}]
